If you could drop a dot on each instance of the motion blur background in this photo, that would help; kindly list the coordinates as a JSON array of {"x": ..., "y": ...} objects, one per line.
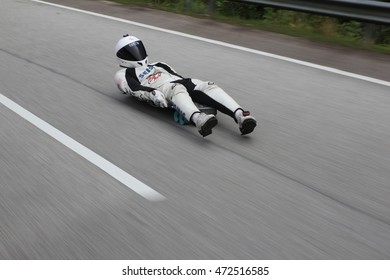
[{"x": 312, "y": 182}]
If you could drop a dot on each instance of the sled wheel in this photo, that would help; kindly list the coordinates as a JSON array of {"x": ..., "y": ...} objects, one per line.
[
  {"x": 176, "y": 116},
  {"x": 179, "y": 118}
]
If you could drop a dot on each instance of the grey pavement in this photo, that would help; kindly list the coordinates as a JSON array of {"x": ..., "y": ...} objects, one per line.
[{"x": 312, "y": 182}]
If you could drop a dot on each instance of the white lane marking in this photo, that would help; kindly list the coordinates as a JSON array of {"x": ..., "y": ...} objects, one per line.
[
  {"x": 288, "y": 59},
  {"x": 83, "y": 151}
]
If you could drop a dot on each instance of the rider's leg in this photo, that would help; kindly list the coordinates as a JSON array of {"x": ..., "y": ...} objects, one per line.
[
  {"x": 210, "y": 94},
  {"x": 178, "y": 96}
]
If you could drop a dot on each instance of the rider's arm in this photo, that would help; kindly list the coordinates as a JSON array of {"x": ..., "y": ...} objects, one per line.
[{"x": 136, "y": 89}]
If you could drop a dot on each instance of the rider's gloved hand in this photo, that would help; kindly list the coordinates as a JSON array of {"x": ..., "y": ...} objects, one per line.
[{"x": 158, "y": 99}]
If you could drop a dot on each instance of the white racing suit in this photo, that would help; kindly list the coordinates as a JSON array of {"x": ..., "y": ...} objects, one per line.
[{"x": 180, "y": 92}]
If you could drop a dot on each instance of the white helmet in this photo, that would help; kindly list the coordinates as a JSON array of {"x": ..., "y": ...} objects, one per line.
[{"x": 130, "y": 52}]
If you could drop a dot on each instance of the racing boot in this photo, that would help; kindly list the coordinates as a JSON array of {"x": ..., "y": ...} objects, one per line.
[
  {"x": 204, "y": 123},
  {"x": 245, "y": 122}
]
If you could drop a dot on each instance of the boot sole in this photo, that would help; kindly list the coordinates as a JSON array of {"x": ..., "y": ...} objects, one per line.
[
  {"x": 206, "y": 128},
  {"x": 248, "y": 126}
]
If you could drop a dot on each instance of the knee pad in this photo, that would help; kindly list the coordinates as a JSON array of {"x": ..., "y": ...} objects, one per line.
[
  {"x": 178, "y": 89},
  {"x": 206, "y": 86}
]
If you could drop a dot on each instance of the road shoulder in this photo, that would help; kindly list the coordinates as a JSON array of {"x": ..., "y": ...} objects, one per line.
[{"x": 361, "y": 62}]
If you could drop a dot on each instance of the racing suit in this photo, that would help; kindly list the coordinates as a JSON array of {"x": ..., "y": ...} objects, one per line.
[{"x": 180, "y": 92}]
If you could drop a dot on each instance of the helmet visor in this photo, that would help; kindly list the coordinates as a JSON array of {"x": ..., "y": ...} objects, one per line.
[{"x": 134, "y": 51}]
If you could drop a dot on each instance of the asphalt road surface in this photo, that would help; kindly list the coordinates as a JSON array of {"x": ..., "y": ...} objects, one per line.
[{"x": 312, "y": 181}]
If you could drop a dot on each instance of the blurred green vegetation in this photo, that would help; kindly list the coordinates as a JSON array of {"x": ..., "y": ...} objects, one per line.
[{"x": 314, "y": 27}]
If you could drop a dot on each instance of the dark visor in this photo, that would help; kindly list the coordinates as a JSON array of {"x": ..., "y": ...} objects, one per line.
[{"x": 133, "y": 52}]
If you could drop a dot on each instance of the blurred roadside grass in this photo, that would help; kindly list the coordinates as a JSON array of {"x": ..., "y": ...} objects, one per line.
[{"x": 312, "y": 27}]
